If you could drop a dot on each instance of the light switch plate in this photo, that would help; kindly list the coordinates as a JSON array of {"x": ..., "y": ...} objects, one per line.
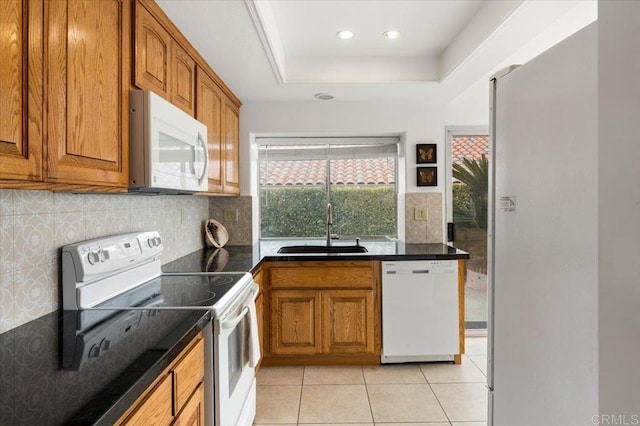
[
  {"x": 230, "y": 215},
  {"x": 420, "y": 213}
]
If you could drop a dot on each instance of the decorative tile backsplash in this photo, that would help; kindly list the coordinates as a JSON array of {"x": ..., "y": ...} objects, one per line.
[
  {"x": 35, "y": 224},
  {"x": 240, "y": 229},
  {"x": 423, "y": 231}
]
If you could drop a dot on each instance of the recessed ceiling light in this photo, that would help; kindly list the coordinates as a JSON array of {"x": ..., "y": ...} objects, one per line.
[
  {"x": 344, "y": 34},
  {"x": 323, "y": 96},
  {"x": 391, "y": 35}
]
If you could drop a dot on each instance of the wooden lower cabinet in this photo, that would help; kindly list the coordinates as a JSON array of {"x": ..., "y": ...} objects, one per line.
[
  {"x": 177, "y": 396},
  {"x": 295, "y": 322},
  {"x": 258, "y": 278},
  {"x": 156, "y": 408},
  {"x": 348, "y": 321},
  {"x": 323, "y": 313},
  {"x": 193, "y": 412}
]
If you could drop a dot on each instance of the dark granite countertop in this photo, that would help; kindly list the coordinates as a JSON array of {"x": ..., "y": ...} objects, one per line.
[
  {"x": 248, "y": 258},
  {"x": 43, "y": 381}
]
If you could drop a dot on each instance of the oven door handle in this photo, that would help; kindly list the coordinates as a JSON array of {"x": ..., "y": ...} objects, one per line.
[{"x": 227, "y": 324}]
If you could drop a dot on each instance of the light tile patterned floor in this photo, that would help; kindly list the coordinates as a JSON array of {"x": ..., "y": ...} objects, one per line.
[{"x": 430, "y": 394}]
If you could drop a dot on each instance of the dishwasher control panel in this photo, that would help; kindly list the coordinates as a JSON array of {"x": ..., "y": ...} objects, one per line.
[{"x": 420, "y": 267}]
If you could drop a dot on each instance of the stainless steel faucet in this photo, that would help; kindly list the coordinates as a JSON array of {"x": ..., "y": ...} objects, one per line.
[{"x": 329, "y": 224}]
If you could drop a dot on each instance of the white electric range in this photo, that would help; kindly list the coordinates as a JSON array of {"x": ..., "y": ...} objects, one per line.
[{"x": 104, "y": 276}]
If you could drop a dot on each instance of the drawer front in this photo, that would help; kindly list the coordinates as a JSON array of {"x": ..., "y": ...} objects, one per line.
[
  {"x": 156, "y": 407},
  {"x": 188, "y": 373},
  {"x": 319, "y": 277}
]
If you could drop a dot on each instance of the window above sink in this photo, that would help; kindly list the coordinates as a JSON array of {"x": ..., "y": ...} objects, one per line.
[{"x": 299, "y": 176}]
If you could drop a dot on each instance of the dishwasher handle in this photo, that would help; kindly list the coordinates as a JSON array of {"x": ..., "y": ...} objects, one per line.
[{"x": 413, "y": 271}]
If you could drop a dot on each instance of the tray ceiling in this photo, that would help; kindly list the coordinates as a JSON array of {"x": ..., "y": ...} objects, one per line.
[{"x": 287, "y": 50}]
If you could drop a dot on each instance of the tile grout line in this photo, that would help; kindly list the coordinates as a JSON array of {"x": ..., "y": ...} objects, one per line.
[
  {"x": 434, "y": 394},
  {"x": 304, "y": 369},
  {"x": 366, "y": 389}
]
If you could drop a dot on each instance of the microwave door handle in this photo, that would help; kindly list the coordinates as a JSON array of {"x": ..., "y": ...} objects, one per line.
[{"x": 206, "y": 159}]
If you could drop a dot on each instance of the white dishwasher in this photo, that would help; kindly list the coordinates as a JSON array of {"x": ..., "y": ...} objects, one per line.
[{"x": 420, "y": 319}]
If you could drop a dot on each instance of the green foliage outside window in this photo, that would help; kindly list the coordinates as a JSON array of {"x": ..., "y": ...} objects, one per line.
[
  {"x": 358, "y": 211},
  {"x": 470, "y": 197}
]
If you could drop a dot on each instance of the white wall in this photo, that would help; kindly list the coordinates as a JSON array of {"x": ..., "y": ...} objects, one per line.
[
  {"x": 470, "y": 108},
  {"x": 415, "y": 122},
  {"x": 619, "y": 208}
]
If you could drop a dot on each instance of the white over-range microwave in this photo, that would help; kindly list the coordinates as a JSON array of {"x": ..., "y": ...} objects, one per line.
[{"x": 167, "y": 147}]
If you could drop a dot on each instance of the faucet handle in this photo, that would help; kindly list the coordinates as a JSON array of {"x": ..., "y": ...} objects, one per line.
[{"x": 357, "y": 242}]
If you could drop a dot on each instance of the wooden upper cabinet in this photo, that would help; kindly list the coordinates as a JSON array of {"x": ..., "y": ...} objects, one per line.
[
  {"x": 161, "y": 64},
  {"x": 88, "y": 62},
  {"x": 21, "y": 50},
  {"x": 209, "y": 111},
  {"x": 231, "y": 142},
  {"x": 183, "y": 78},
  {"x": 152, "y": 53}
]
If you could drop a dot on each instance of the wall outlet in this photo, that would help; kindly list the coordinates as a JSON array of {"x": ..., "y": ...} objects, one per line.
[
  {"x": 230, "y": 215},
  {"x": 420, "y": 213}
]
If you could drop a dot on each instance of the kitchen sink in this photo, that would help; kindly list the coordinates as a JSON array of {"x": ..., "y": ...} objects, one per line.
[{"x": 322, "y": 249}]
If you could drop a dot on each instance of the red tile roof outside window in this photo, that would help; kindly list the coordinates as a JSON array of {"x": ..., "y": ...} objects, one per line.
[
  {"x": 472, "y": 147},
  {"x": 370, "y": 171}
]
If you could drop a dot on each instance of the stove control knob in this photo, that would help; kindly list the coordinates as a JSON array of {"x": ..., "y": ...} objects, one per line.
[
  {"x": 157, "y": 240},
  {"x": 151, "y": 242},
  {"x": 102, "y": 255},
  {"x": 105, "y": 344},
  {"x": 93, "y": 257},
  {"x": 94, "y": 352}
]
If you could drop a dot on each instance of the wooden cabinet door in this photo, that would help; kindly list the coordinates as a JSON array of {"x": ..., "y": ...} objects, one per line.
[
  {"x": 231, "y": 142},
  {"x": 209, "y": 101},
  {"x": 295, "y": 322},
  {"x": 88, "y": 64},
  {"x": 193, "y": 412},
  {"x": 152, "y": 53},
  {"x": 260, "y": 315},
  {"x": 156, "y": 409},
  {"x": 21, "y": 52},
  {"x": 183, "y": 80},
  {"x": 188, "y": 373},
  {"x": 348, "y": 321}
]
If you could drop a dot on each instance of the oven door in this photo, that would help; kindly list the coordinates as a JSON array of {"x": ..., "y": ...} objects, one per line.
[{"x": 237, "y": 352}]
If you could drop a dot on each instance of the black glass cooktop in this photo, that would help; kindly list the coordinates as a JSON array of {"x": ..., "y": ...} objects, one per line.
[{"x": 176, "y": 291}]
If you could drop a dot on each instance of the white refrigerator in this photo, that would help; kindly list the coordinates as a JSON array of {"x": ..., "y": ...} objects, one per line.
[{"x": 543, "y": 253}]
